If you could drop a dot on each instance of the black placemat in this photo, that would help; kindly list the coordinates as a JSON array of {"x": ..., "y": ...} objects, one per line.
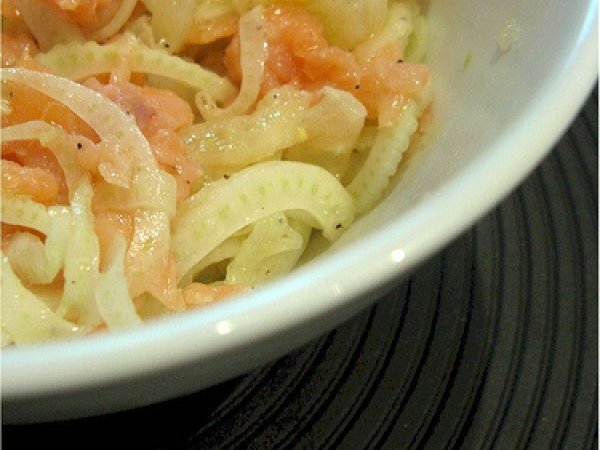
[{"x": 490, "y": 344}]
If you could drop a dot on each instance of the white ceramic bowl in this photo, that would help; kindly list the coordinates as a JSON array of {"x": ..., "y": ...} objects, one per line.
[{"x": 495, "y": 119}]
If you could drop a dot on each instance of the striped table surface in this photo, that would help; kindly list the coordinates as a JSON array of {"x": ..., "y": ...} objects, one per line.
[{"x": 492, "y": 343}]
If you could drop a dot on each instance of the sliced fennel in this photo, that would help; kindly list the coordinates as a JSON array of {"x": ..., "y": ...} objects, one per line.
[
  {"x": 220, "y": 209},
  {"x": 271, "y": 250},
  {"x": 383, "y": 159},
  {"x": 398, "y": 29},
  {"x": 36, "y": 262},
  {"x": 253, "y": 54},
  {"x": 152, "y": 185},
  {"x": 388, "y": 147},
  {"x": 171, "y": 21},
  {"x": 117, "y": 21},
  {"x": 112, "y": 294},
  {"x": 57, "y": 140},
  {"x": 25, "y": 212},
  {"x": 148, "y": 190},
  {"x": 104, "y": 116},
  {"x": 332, "y": 127},
  {"x": 78, "y": 61},
  {"x": 26, "y": 318},
  {"x": 225, "y": 250},
  {"x": 347, "y": 25},
  {"x": 148, "y": 258},
  {"x": 48, "y": 28},
  {"x": 275, "y": 125},
  {"x": 82, "y": 261}
]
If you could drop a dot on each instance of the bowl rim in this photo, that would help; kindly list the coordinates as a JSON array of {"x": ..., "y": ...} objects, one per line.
[{"x": 203, "y": 334}]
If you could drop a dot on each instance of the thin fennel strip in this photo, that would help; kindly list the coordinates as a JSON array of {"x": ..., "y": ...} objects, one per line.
[
  {"x": 348, "y": 23},
  {"x": 112, "y": 294},
  {"x": 383, "y": 159},
  {"x": 387, "y": 151},
  {"x": 82, "y": 260},
  {"x": 48, "y": 27},
  {"x": 23, "y": 211},
  {"x": 222, "y": 208},
  {"x": 57, "y": 140},
  {"x": 104, "y": 116},
  {"x": 274, "y": 125},
  {"x": 78, "y": 61},
  {"x": 117, "y": 21},
  {"x": 152, "y": 185},
  {"x": 108, "y": 121},
  {"x": 25, "y": 317},
  {"x": 398, "y": 28},
  {"x": 36, "y": 262},
  {"x": 332, "y": 127},
  {"x": 253, "y": 43},
  {"x": 271, "y": 250},
  {"x": 225, "y": 250},
  {"x": 171, "y": 20}
]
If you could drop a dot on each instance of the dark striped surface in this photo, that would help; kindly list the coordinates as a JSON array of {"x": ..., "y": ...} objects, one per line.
[{"x": 490, "y": 344}]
